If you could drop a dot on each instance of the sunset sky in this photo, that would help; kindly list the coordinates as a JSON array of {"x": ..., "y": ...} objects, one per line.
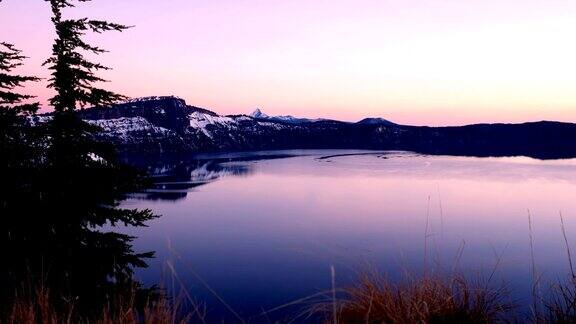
[{"x": 434, "y": 62}]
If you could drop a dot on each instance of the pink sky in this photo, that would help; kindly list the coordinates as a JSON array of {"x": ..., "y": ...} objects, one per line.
[{"x": 436, "y": 62}]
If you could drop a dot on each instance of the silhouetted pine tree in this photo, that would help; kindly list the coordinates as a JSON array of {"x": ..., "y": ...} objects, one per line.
[
  {"x": 73, "y": 76},
  {"x": 21, "y": 158},
  {"x": 14, "y": 135},
  {"x": 74, "y": 79},
  {"x": 52, "y": 231},
  {"x": 21, "y": 146},
  {"x": 11, "y": 58}
]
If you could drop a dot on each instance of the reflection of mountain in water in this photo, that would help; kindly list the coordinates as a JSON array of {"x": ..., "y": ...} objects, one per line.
[{"x": 173, "y": 181}]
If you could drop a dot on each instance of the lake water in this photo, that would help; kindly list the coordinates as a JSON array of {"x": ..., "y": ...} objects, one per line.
[{"x": 263, "y": 229}]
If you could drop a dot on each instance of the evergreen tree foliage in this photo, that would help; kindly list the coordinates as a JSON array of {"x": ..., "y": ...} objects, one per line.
[
  {"x": 14, "y": 136},
  {"x": 73, "y": 76},
  {"x": 74, "y": 79},
  {"x": 61, "y": 197},
  {"x": 10, "y": 59}
]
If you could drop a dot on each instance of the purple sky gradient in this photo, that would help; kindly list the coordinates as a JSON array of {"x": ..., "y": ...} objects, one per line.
[{"x": 434, "y": 62}]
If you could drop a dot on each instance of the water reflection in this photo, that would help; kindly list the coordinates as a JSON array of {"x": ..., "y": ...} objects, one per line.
[
  {"x": 269, "y": 236},
  {"x": 173, "y": 182},
  {"x": 174, "y": 177}
]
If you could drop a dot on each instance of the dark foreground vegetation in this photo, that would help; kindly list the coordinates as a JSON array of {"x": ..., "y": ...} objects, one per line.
[
  {"x": 427, "y": 299},
  {"x": 59, "y": 187}
]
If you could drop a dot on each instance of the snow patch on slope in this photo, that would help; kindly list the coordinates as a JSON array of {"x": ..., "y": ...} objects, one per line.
[
  {"x": 151, "y": 98},
  {"x": 200, "y": 121},
  {"x": 124, "y": 126}
]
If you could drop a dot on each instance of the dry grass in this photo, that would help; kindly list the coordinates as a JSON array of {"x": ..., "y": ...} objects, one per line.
[
  {"x": 374, "y": 299},
  {"x": 425, "y": 300},
  {"x": 560, "y": 307},
  {"x": 40, "y": 308}
]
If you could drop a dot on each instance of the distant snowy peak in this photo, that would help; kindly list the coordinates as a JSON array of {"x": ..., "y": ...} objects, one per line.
[{"x": 258, "y": 114}]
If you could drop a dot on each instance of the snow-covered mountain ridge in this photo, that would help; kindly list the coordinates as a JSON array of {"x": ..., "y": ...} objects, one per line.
[{"x": 167, "y": 123}]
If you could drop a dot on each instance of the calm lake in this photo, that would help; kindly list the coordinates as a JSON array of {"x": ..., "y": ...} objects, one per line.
[{"x": 264, "y": 229}]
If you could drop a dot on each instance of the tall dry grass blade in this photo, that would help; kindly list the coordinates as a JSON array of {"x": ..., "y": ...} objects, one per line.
[
  {"x": 265, "y": 315},
  {"x": 458, "y": 257},
  {"x": 426, "y": 229},
  {"x": 435, "y": 237},
  {"x": 209, "y": 288},
  {"x": 186, "y": 293},
  {"x": 441, "y": 207},
  {"x": 172, "y": 279},
  {"x": 499, "y": 257},
  {"x": 296, "y": 302},
  {"x": 333, "y": 276},
  {"x": 567, "y": 247},
  {"x": 536, "y": 295}
]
